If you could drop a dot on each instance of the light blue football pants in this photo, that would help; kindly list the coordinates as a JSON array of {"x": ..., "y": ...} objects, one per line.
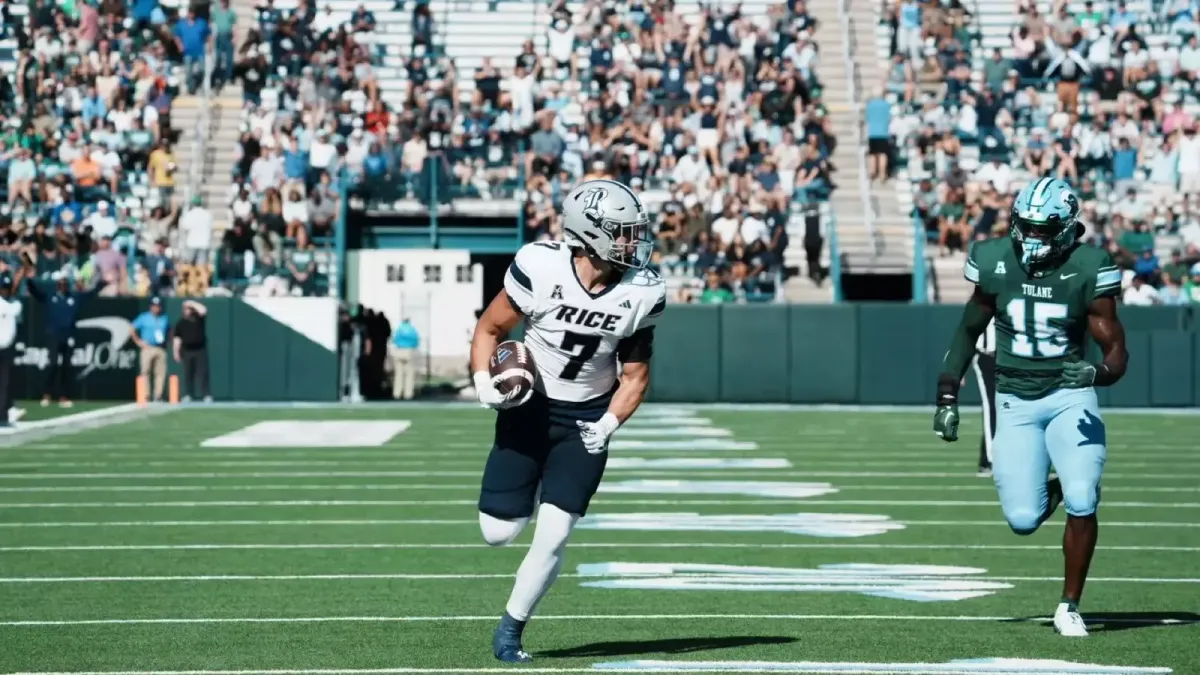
[{"x": 1064, "y": 429}]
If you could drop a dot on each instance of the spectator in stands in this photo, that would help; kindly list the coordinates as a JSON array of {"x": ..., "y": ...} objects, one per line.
[
  {"x": 196, "y": 230},
  {"x": 879, "y": 143}
]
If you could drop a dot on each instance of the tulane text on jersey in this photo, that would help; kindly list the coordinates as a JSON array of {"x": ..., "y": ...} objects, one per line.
[{"x": 576, "y": 336}]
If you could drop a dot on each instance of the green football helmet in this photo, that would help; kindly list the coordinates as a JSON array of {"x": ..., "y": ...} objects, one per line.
[{"x": 1044, "y": 224}]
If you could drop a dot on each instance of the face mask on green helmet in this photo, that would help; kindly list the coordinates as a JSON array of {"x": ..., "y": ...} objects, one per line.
[{"x": 1040, "y": 242}]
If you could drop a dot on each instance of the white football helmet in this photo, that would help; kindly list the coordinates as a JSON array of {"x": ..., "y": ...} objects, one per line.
[{"x": 607, "y": 220}]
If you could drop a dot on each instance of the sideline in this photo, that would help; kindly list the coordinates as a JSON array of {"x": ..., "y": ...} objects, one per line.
[
  {"x": 651, "y": 408},
  {"x": 24, "y": 432}
]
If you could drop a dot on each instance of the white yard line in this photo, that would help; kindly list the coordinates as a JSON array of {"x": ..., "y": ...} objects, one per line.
[
  {"x": 600, "y": 499},
  {"x": 475, "y": 474},
  {"x": 806, "y": 462},
  {"x": 578, "y": 617},
  {"x": 977, "y": 485},
  {"x": 105, "y": 548},
  {"x": 674, "y": 667},
  {"x": 472, "y": 522},
  {"x": 469, "y": 577}
]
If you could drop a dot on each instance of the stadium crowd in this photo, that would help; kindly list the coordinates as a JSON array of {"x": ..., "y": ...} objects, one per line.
[
  {"x": 1091, "y": 92},
  {"x": 718, "y": 122}
]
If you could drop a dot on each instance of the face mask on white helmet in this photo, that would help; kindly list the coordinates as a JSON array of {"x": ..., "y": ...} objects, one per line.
[{"x": 606, "y": 219}]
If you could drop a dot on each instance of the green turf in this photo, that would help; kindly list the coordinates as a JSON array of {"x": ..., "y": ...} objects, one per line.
[
  {"x": 138, "y": 522},
  {"x": 34, "y": 411}
]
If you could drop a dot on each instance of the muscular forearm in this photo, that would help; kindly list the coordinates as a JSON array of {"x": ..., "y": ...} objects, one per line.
[
  {"x": 629, "y": 395},
  {"x": 1112, "y": 367},
  {"x": 962, "y": 346},
  {"x": 483, "y": 344}
]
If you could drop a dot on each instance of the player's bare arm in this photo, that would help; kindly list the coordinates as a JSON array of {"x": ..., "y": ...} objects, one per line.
[
  {"x": 1107, "y": 331},
  {"x": 979, "y": 310},
  {"x": 635, "y": 381},
  {"x": 494, "y": 325}
]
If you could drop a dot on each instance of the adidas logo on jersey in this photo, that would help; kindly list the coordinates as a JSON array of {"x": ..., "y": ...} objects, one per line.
[
  {"x": 626, "y": 305},
  {"x": 586, "y": 317}
]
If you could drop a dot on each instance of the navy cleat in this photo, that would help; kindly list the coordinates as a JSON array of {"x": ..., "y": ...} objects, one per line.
[{"x": 506, "y": 641}]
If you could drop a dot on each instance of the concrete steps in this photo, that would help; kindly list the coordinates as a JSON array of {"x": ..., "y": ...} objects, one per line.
[{"x": 888, "y": 249}]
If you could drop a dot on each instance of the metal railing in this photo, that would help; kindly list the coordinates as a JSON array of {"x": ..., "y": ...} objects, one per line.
[
  {"x": 920, "y": 282},
  {"x": 854, "y": 96},
  {"x": 202, "y": 131}
]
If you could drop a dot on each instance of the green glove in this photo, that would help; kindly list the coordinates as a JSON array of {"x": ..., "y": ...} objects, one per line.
[
  {"x": 945, "y": 422},
  {"x": 1078, "y": 375}
]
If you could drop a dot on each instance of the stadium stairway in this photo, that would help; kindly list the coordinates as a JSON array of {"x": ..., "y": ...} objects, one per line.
[
  {"x": 224, "y": 129},
  {"x": 994, "y": 19},
  {"x": 889, "y": 247}
]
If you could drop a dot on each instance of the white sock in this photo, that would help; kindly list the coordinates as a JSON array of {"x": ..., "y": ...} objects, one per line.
[{"x": 543, "y": 561}]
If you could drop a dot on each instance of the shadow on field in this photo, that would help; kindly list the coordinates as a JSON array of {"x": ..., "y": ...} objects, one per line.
[
  {"x": 667, "y": 646},
  {"x": 1111, "y": 621},
  {"x": 1106, "y": 622}
]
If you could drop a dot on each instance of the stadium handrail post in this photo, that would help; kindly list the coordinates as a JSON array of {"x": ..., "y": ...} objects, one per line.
[
  {"x": 853, "y": 95},
  {"x": 339, "y": 234},
  {"x": 521, "y": 194},
  {"x": 835, "y": 258},
  {"x": 920, "y": 285},
  {"x": 201, "y": 131}
]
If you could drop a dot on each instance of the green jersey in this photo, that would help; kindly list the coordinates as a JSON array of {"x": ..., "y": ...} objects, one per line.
[{"x": 1041, "y": 322}]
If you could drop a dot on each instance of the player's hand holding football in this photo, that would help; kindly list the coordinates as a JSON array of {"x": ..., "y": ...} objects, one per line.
[
  {"x": 1078, "y": 374},
  {"x": 595, "y": 435},
  {"x": 489, "y": 395}
]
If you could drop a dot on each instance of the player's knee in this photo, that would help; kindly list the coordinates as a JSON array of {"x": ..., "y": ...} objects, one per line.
[
  {"x": 1023, "y": 521},
  {"x": 1080, "y": 499},
  {"x": 498, "y": 531}
]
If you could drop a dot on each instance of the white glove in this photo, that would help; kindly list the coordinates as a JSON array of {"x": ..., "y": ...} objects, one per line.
[
  {"x": 595, "y": 435},
  {"x": 489, "y": 396}
]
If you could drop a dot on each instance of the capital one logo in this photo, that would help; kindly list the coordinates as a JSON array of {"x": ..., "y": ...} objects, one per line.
[
  {"x": 917, "y": 583},
  {"x": 99, "y": 345}
]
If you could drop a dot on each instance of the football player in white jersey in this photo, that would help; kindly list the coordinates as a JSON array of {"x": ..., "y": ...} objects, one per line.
[{"x": 589, "y": 307}]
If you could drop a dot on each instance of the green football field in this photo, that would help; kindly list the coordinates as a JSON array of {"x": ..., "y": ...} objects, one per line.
[{"x": 241, "y": 540}]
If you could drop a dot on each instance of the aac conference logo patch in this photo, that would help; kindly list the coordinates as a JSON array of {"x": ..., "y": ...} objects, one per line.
[{"x": 917, "y": 583}]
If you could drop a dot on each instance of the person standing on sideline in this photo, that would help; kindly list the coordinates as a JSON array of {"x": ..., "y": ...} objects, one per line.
[
  {"x": 984, "y": 366},
  {"x": 62, "y": 311},
  {"x": 10, "y": 315},
  {"x": 150, "y": 334},
  {"x": 404, "y": 355},
  {"x": 190, "y": 348}
]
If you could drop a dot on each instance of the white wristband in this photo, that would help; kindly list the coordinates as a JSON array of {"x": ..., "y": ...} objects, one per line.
[
  {"x": 609, "y": 423},
  {"x": 482, "y": 379}
]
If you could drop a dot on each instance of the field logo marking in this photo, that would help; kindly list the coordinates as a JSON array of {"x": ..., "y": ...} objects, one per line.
[
  {"x": 811, "y": 524},
  {"x": 673, "y": 463},
  {"x": 311, "y": 434},
  {"x": 684, "y": 445},
  {"x": 957, "y": 667},
  {"x": 714, "y": 487},
  {"x": 918, "y": 583},
  {"x": 661, "y": 431}
]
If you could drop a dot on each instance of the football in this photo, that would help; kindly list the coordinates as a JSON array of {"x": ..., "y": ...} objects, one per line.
[{"x": 512, "y": 362}]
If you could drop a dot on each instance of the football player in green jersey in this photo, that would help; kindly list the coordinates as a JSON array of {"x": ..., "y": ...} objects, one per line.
[{"x": 1046, "y": 292}]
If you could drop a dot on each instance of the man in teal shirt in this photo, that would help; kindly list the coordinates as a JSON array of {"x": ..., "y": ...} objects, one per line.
[
  {"x": 224, "y": 20},
  {"x": 150, "y": 331},
  {"x": 404, "y": 352}
]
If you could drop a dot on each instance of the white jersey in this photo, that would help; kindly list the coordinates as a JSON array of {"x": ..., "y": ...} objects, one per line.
[{"x": 576, "y": 337}]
